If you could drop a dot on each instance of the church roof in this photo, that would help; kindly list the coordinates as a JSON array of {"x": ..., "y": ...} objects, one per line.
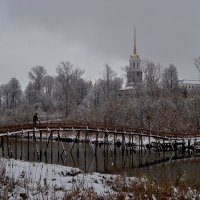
[
  {"x": 189, "y": 82},
  {"x": 126, "y": 88}
]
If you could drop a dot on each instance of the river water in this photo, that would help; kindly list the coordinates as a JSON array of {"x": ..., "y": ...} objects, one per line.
[{"x": 126, "y": 162}]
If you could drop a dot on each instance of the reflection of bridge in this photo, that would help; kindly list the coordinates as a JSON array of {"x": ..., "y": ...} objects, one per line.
[{"x": 125, "y": 137}]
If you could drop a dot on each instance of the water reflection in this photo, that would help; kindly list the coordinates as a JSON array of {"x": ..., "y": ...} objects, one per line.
[{"x": 103, "y": 158}]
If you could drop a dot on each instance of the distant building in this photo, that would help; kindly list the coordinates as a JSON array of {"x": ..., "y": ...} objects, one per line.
[
  {"x": 134, "y": 71},
  {"x": 189, "y": 85}
]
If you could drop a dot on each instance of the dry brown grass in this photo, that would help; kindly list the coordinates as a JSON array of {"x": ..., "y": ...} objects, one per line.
[
  {"x": 139, "y": 189},
  {"x": 146, "y": 188},
  {"x": 117, "y": 187}
]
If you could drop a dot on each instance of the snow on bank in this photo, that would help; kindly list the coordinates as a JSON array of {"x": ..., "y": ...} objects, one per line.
[
  {"x": 40, "y": 179},
  {"x": 25, "y": 180},
  {"x": 72, "y": 136}
]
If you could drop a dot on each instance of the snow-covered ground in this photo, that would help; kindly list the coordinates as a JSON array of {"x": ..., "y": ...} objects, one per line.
[
  {"x": 27, "y": 180},
  {"x": 38, "y": 180},
  {"x": 50, "y": 181}
]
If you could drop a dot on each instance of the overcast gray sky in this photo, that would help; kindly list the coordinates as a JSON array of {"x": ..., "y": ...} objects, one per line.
[{"x": 91, "y": 33}]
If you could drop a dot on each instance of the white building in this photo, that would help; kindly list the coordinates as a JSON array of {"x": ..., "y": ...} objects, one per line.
[{"x": 189, "y": 85}]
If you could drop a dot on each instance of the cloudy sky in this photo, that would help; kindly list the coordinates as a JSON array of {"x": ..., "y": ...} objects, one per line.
[{"x": 91, "y": 33}]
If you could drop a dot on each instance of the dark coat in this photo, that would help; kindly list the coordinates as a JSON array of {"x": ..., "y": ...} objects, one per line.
[{"x": 35, "y": 118}]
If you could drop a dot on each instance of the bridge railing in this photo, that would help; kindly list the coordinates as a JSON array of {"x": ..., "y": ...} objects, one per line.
[{"x": 102, "y": 126}]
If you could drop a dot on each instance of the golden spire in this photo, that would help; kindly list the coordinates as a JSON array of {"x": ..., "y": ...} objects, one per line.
[
  {"x": 135, "y": 51},
  {"x": 134, "y": 54}
]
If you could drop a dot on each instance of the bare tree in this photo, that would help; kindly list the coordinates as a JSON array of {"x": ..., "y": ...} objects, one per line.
[
  {"x": 68, "y": 76},
  {"x": 30, "y": 93},
  {"x": 170, "y": 78},
  {"x": 152, "y": 76},
  {"x": 6, "y": 93},
  {"x": 101, "y": 102},
  {"x": 11, "y": 93},
  {"x": 48, "y": 84},
  {"x": 108, "y": 76},
  {"x": 15, "y": 92},
  {"x": 1, "y": 96},
  {"x": 37, "y": 75},
  {"x": 197, "y": 63}
]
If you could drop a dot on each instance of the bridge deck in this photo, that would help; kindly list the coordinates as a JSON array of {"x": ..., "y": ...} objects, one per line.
[
  {"x": 126, "y": 137},
  {"x": 4, "y": 129}
]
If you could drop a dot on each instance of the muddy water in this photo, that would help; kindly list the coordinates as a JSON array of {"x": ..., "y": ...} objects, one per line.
[{"x": 126, "y": 162}]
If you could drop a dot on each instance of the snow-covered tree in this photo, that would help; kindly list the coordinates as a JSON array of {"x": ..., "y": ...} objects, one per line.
[
  {"x": 68, "y": 77},
  {"x": 170, "y": 78},
  {"x": 15, "y": 92},
  {"x": 37, "y": 75},
  {"x": 152, "y": 77}
]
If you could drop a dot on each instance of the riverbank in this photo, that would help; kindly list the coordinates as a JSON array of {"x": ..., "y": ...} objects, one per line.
[{"x": 27, "y": 180}]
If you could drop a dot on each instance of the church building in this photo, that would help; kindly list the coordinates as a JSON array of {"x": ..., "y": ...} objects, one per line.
[
  {"x": 134, "y": 71},
  {"x": 134, "y": 76}
]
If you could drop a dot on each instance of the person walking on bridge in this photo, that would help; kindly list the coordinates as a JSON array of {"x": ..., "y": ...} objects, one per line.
[{"x": 35, "y": 119}]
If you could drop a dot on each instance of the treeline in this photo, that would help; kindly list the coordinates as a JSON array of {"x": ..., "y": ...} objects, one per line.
[{"x": 159, "y": 103}]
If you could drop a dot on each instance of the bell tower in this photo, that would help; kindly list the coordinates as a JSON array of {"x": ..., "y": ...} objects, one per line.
[{"x": 134, "y": 71}]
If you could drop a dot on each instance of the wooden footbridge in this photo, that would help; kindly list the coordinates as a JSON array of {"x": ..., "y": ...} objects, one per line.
[
  {"x": 49, "y": 137},
  {"x": 123, "y": 136}
]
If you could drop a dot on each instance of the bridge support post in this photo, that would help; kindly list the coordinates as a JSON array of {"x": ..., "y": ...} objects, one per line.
[
  {"x": 97, "y": 137},
  {"x": 132, "y": 143},
  {"x": 33, "y": 137},
  {"x": 104, "y": 145},
  {"x": 51, "y": 145},
  {"x": 96, "y": 143},
  {"x": 175, "y": 146},
  {"x": 40, "y": 146},
  {"x": 140, "y": 144},
  {"x": 46, "y": 139},
  {"x": 8, "y": 147},
  {"x": 2, "y": 145},
  {"x": 35, "y": 144},
  {"x": 96, "y": 161},
  {"x": 107, "y": 143},
  {"x": 157, "y": 144},
  {"x": 123, "y": 144},
  {"x": 164, "y": 147},
  {"x": 115, "y": 140},
  {"x": 183, "y": 147},
  {"x": 28, "y": 144},
  {"x": 150, "y": 141},
  {"x": 78, "y": 144},
  {"x": 132, "y": 162},
  {"x": 188, "y": 147},
  {"x": 15, "y": 146},
  {"x": 58, "y": 145},
  {"x": 85, "y": 153},
  {"x": 21, "y": 154}
]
